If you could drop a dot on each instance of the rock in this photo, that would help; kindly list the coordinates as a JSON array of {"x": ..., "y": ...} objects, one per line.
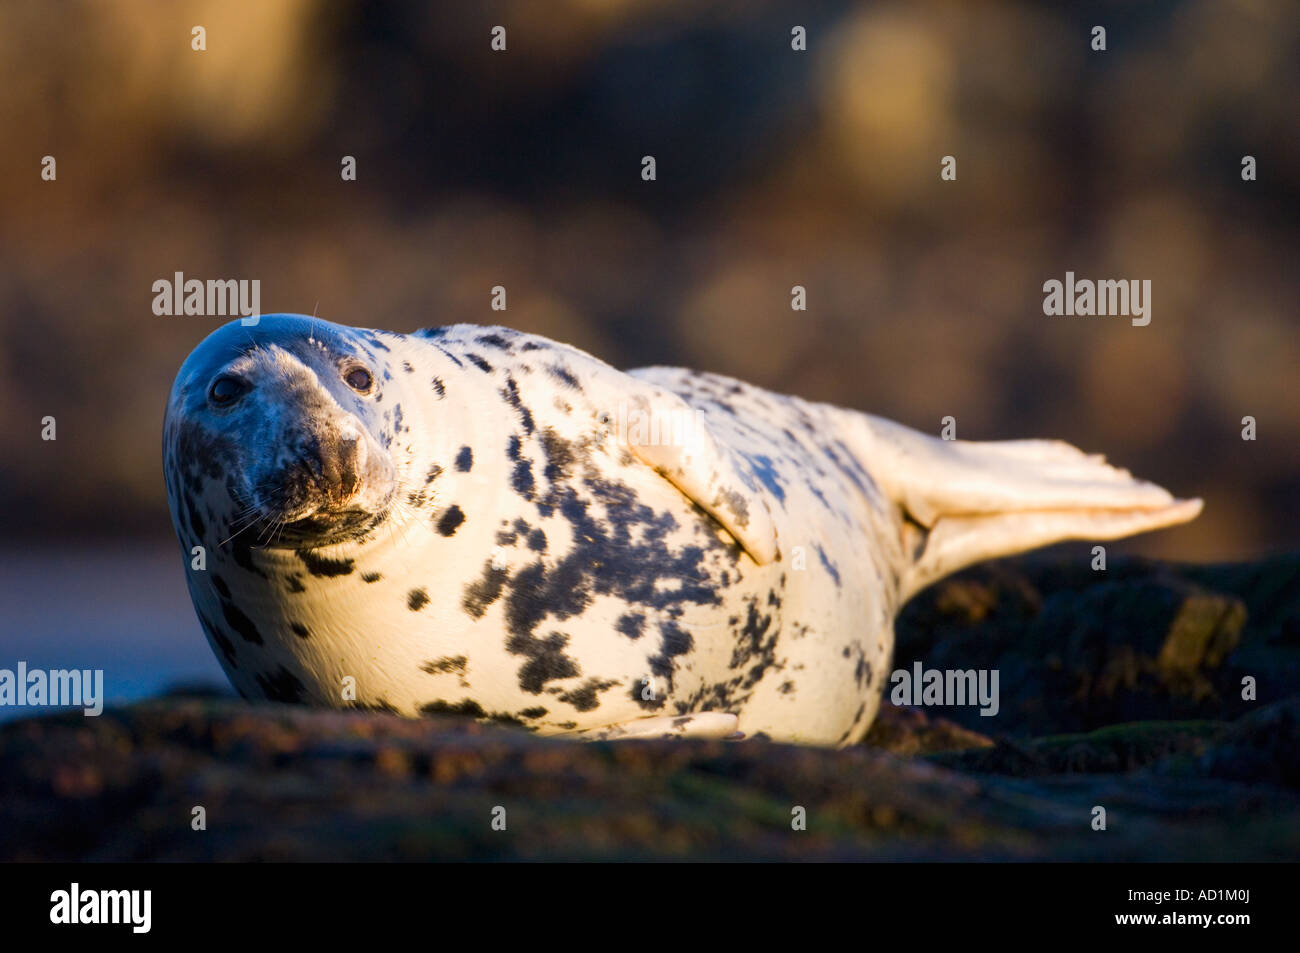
[
  {"x": 1078, "y": 650},
  {"x": 1113, "y": 750},
  {"x": 1125, "y": 692},
  {"x": 909, "y": 731},
  {"x": 288, "y": 783},
  {"x": 1261, "y": 748}
]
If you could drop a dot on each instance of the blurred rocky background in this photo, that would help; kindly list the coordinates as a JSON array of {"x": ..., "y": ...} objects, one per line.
[{"x": 775, "y": 168}]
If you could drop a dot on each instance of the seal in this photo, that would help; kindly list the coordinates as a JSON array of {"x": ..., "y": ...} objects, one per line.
[{"x": 475, "y": 520}]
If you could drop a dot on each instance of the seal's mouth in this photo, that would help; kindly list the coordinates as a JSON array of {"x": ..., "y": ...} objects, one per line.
[
  {"x": 301, "y": 506},
  {"x": 320, "y": 528},
  {"x": 328, "y": 484}
]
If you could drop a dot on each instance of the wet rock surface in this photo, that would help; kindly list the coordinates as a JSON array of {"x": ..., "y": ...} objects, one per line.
[{"x": 1124, "y": 693}]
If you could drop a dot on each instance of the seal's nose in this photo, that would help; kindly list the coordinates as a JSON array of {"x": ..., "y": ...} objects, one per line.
[{"x": 335, "y": 460}]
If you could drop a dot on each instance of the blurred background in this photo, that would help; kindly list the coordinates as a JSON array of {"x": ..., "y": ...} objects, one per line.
[{"x": 523, "y": 169}]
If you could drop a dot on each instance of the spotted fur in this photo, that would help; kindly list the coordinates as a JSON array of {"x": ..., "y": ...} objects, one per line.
[{"x": 476, "y": 535}]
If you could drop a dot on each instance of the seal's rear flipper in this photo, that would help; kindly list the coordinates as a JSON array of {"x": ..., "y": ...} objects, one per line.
[{"x": 973, "y": 501}]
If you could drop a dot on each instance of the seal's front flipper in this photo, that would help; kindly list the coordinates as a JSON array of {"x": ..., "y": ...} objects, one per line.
[
  {"x": 661, "y": 430},
  {"x": 968, "y": 501},
  {"x": 711, "y": 477},
  {"x": 705, "y": 724}
]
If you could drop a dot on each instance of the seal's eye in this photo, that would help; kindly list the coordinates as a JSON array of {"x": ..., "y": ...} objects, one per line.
[
  {"x": 359, "y": 379},
  {"x": 226, "y": 390}
]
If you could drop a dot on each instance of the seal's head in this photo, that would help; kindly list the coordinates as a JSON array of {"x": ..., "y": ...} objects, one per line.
[{"x": 275, "y": 430}]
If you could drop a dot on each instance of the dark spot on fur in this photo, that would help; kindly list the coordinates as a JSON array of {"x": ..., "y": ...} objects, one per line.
[
  {"x": 300, "y": 630},
  {"x": 371, "y": 576},
  {"x": 451, "y": 520},
  {"x": 417, "y": 599},
  {"x": 242, "y": 550},
  {"x": 674, "y": 641},
  {"x": 466, "y": 707},
  {"x": 830, "y": 567},
  {"x": 478, "y": 362},
  {"x": 481, "y": 594},
  {"x": 631, "y": 624},
  {"x": 522, "y": 480},
  {"x": 241, "y": 623},
  {"x": 510, "y": 394},
  {"x": 564, "y": 376},
  {"x": 446, "y": 665},
  {"x": 583, "y": 698},
  {"x": 546, "y": 660},
  {"x": 449, "y": 356},
  {"x": 321, "y": 566},
  {"x": 647, "y": 695},
  {"x": 493, "y": 340},
  {"x": 439, "y": 388},
  {"x": 619, "y": 548},
  {"x": 465, "y": 460},
  {"x": 283, "y": 686},
  {"x": 559, "y": 455}
]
